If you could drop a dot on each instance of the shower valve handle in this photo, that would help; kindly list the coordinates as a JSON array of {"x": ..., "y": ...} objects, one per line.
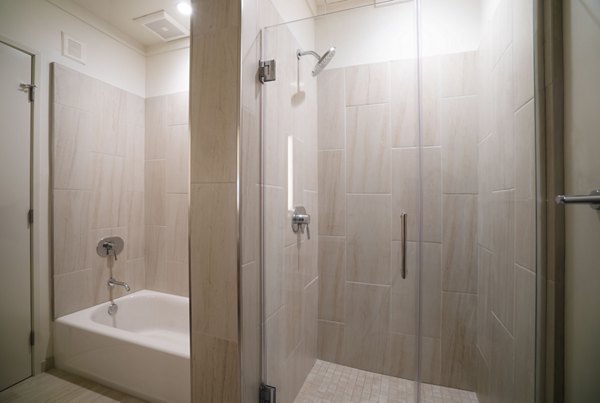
[{"x": 300, "y": 219}]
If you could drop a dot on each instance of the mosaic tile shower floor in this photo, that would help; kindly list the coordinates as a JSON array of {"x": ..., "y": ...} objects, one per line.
[{"x": 332, "y": 383}]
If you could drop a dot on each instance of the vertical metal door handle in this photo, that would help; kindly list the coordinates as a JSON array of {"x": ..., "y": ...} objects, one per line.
[{"x": 403, "y": 217}]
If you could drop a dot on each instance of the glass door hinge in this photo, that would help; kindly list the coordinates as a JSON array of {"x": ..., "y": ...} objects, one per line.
[
  {"x": 267, "y": 71},
  {"x": 268, "y": 394}
]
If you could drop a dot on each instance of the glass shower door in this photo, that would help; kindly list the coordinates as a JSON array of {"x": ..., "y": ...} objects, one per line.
[{"x": 340, "y": 148}]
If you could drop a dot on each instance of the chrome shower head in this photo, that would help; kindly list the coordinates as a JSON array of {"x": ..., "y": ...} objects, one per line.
[{"x": 322, "y": 61}]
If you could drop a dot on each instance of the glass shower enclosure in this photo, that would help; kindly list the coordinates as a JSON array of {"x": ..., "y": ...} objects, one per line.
[{"x": 390, "y": 221}]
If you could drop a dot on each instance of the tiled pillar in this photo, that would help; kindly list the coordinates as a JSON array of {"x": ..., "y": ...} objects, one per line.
[{"x": 214, "y": 118}]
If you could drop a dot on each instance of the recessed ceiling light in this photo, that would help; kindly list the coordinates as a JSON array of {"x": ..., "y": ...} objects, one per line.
[{"x": 184, "y": 8}]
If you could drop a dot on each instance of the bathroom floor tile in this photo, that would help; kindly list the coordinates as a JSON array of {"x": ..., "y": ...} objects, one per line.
[
  {"x": 58, "y": 386},
  {"x": 329, "y": 382}
]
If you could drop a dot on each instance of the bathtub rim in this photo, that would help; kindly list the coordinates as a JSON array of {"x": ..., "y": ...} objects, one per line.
[{"x": 82, "y": 320}]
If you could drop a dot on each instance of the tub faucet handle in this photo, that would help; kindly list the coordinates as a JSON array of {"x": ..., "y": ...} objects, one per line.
[{"x": 112, "y": 245}]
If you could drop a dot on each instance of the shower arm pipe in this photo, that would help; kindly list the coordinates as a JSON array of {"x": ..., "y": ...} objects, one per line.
[{"x": 301, "y": 53}]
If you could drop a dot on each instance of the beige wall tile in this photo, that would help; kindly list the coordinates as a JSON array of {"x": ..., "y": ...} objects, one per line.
[
  {"x": 459, "y": 335},
  {"x": 136, "y": 227},
  {"x": 501, "y": 29},
  {"x": 71, "y": 88},
  {"x": 331, "y": 341},
  {"x": 156, "y": 259},
  {"x": 504, "y": 100},
  {"x": 214, "y": 120},
  {"x": 277, "y": 370},
  {"x": 484, "y": 334},
  {"x": 431, "y": 360},
  {"x": 332, "y": 277},
  {"x": 522, "y": 36},
  {"x": 502, "y": 364},
  {"x": 156, "y": 128},
  {"x": 525, "y": 344},
  {"x": 525, "y": 210},
  {"x": 367, "y": 84},
  {"x": 525, "y": 152},
  {"x": 136, "y": 110},
  {"x": 251, "y": 330},
  {"x": 367, "y": 325},
  {"x": 250, "y": 195},
  {"x": 459, "y": 251},
  {"x": 135, "y": 274},
  {"x": 214, "y": 309},
  {"x": 178, "y": 160},
  {"x": 310, "y": 317},
  {"x": 177, "y": 228},
  {"x": 70, "y": 230},
  {"x": 431, "y": 280},
  {"x": 430, "y": 93},
  {"x": 292, "y": 285},
  {"x": 405, "y": 181},
  {"x": 403, "y": 309},
  {"x": 215, "y": 369},
  {"x": 432, "y": 194},
  {"x": 107, "y": 184},
  {"x": 332, "y": 193},
  {"x": 486, "y": 170},
  {"x": 309, "y": 249},
  {"x": 404, "y": 112},
  {"x": 299, "y": 173},
  {"x": 368, "y": 142},
  {"x": 502, "y": 280},
  {"x": 401, "y": 356},
  {"x": 135, "y": 158},
  {"x": 155, "y": 195},
  {"x": 458, "y": 128},
  {"x": 177, "y": 112},
  {"x": 72, "y": 143},
  {"x": 457, "y": 72},
  {"x": 110, "y": 119},
  {"x": 332, "y": 109},
  {"x": 72, "y": 292},
  {"x": 274, "y": 227},
  {"x": 368, "y": 239}
]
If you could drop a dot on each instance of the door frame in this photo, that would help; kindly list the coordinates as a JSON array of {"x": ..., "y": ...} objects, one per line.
[
  {"x": 550, "y": 228},
  {"x": 38, "y": 359}
]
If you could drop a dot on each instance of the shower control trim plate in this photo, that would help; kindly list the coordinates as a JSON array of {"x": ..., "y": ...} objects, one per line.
[
  {"x": 300, "y": 220},
  {"x": 267, "y": 70}
]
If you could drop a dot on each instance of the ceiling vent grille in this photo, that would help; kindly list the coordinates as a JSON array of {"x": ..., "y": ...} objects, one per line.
[{"x": 163, "y": 25}]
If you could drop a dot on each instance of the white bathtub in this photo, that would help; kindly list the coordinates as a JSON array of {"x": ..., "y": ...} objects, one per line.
[{"x": 143, "y": 350}]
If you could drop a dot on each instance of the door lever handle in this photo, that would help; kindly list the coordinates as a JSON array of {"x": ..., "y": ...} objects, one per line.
[{"x": 593, "y": 199}]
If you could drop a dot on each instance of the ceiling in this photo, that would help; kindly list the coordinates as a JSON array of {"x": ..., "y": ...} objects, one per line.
[{"x": 120, "y": 14}]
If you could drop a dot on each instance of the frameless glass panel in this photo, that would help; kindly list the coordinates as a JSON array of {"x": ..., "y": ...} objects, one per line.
[
  {"x": 478, "y": 251},
  {"x": 340, "y": 143}
]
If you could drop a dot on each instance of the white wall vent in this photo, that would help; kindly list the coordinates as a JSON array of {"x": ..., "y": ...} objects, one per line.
[
  {"x": 72, "y": 48},
  {"x": 163, "y": 25}
]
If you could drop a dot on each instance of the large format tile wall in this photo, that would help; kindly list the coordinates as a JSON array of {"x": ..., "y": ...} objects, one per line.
[
  {"x": 214, "y": 219},
  {"x": 290, "y": 260},
  {"x": 368, "y": 175},
  {"x": 506, "y": 236},
  {"x": 166, "y": 179},
  {"x": 97, "y": 188}
]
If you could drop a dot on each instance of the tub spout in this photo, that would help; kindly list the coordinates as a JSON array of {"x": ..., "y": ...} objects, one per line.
[{"x": 113, "y": 282}]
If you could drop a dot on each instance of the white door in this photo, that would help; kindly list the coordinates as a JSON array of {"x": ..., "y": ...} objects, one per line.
[
  {"x": 582, "y": 175},
  {"x": 15, "y": 183}
]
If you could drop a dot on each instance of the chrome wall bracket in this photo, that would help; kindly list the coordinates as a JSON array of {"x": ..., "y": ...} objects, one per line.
[{"x": 593, "y": 199}]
